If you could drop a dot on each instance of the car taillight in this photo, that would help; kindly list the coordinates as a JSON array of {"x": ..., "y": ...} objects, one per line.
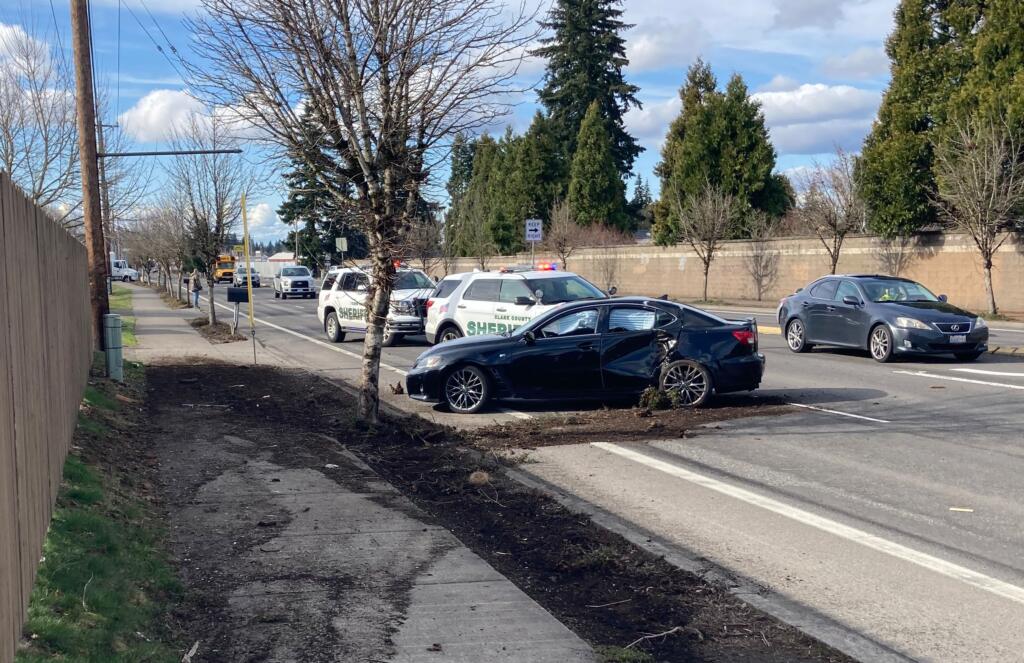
[
  {"x": 430, "y": 302},
  {"x": 746, "y": 336}
]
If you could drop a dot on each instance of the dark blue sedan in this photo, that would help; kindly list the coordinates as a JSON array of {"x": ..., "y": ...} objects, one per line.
[
  {"x": 596, "y": 349},
  {"x": 884, "y": 315}
]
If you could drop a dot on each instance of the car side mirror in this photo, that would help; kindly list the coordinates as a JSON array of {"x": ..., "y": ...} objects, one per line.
[
  {"x": 360, "y": 288},
  {"x": 943, "y": 298},
  {"x": 850, "y": 300},
  {"x": 524, "y": 301},
  {"x": 529, "y": 337},
  {"x": 612, "y": 290}
]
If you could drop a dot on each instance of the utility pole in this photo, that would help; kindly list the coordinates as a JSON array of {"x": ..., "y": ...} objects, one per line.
[{"x": 95, "y": 246}]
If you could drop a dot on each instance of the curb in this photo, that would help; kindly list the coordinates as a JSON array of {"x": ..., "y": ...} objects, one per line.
[{"x": 797, "y": 615}]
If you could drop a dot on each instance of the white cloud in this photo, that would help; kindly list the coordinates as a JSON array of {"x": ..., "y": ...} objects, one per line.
[
  {"x": 780, "y": 83},
  {"x": 649, "y": 124},
  {"x": 814, "y": 118},
  {"x": 157, "y": 115},
  {"x": 18, "y": 47},
  {"x": 264, "y": 224},
  {"x": 661, "y": 43},
  {"x": 817, "y": 102},
  {"x": 807, "y": 13},
  {"x": 863, "y": 63}
]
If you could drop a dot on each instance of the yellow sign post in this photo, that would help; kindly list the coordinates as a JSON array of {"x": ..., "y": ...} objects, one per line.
[{"x": 248, "y": 280}]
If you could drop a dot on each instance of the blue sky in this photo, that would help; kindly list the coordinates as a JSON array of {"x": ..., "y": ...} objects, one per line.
[{"x": 817, "y": 66}]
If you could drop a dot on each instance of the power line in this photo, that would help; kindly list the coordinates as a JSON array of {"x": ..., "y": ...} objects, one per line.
[
  {"x": 155, "y": 42},
  {"x": 117, "y": 101},
  {"x": 157, "y": 24}
]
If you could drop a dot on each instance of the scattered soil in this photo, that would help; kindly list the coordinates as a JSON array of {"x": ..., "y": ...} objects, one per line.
[
  {"x": 622, "y": 424},
  {"x": 218, "y": 333},
  {"x": 602, "y": 587}
]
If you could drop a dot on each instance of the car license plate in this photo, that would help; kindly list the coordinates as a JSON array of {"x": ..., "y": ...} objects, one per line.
[{"x": 959, "y": 338}]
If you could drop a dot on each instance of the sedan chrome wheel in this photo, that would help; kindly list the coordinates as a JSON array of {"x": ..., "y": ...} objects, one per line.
[
  {"x": 795, "y": 336},
  {"x": 690, "y": 380},
  {"x": 466, "y": 390},
  {"x": 881, "y": 343}
]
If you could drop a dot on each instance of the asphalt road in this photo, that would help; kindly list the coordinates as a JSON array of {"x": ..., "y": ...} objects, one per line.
[{"x": 890, "y": 504}]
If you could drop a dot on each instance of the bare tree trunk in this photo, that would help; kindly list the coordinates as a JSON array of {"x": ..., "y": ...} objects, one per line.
[
  {"x": 380, "y": 300},
  {"x": 707, "y": 268},
  {"x": 989, "y": 290},
  {"x": 211, "y": 281}
]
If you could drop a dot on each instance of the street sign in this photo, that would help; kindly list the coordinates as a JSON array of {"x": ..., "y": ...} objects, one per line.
[
  {"x": 341, "y": 243},
  {"x": 534, "y": 230},
  {"x": 238, "y": 248}
]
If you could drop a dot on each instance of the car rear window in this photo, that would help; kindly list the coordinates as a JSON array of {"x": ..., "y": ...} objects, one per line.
[
  {"x": 631, "y": 319},
  {"x": 445, "y": 288},
  {"x": 693, "y": 319},
  {"x": 825, "y": 290}
]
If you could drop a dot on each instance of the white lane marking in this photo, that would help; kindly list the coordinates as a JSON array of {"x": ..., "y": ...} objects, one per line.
[
  {"x": 514, "y": 413},
  {"x": 940, "y": 566},
  {"x": 841, "y": 414},
  {"x": 979, "y": 371},
  {"x": 1012, "y": 331},
  {"x": 315, "y": 340},
  {"x": 936, "y": 376}
]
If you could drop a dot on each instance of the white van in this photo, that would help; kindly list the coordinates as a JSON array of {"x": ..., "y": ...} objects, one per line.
[{"x": 342, "y": 305}]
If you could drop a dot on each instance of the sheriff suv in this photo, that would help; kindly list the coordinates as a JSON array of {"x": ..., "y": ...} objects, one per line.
[
  {"x": 342, "y": 304},
  {"x": 499, "y": 302}
]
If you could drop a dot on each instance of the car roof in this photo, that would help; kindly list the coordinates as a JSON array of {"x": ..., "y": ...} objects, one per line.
[
  {"x": 884, "y": 277},
  {"x": 538, "y": 274}
]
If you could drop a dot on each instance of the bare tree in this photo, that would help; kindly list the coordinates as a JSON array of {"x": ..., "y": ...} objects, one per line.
[
  {"x": 980, "y": 173},
  {"x": 423, "y": 244},
  {"x": 38, "y": 134},
  {"x": 386, "y": 84},
  {"x": 608, "y": 243},
  {"x": 763, "y": 261},
  {"x": 208, "y": 190},
  {"x": 704, "y": 222},
  {"x": 832, "y": 207},
  {"x": 563, "y": 235}
]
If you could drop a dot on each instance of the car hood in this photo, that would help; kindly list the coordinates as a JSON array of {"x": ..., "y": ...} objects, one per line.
[
  {"x": 467, "y": 344},
  {"x": 927, "y": 311},
  {"x": 415, "y": 293}
]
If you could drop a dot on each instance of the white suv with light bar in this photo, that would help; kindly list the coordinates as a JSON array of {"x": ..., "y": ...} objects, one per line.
[
  {"x": 342, "y": 305},
  {"x": 478, "y": 303}
]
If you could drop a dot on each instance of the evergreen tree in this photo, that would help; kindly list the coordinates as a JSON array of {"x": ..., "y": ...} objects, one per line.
[
  {"x": 311, "y": 210},
  {"x": 596, "y": 192},
  {"x": 639, "y": 206},
  {"x": 721, "y": 138},
  {"x": 931, "y": 49},
  {"x": 585, "y": 58}
]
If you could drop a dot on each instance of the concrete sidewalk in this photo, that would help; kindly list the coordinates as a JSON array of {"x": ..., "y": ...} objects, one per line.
[{"x": 333, "y": 519}]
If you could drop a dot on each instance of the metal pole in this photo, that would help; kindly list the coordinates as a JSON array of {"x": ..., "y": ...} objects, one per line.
[
  {"x": 95, "y": 246},
  {"x": 248, "y": 281},
  {"x": 112, "y": 342}
]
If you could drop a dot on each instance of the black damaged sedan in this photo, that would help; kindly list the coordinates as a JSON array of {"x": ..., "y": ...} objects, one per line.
[
  {"x": 885, "y": 315},
  {"x": 594, "y": 350}
]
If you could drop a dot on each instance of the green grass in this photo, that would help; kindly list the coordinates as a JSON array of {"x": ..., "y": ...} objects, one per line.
[
  {"x": 121, "y": 302},
  {"x": 104, "y": 586},
  {"x": 622, "y": 655}
]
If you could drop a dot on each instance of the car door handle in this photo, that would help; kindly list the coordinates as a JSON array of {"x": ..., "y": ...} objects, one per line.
[
  {"x": 501, "y": 310},
  {"x": 586, "y": 345},
  {"x": 830, "y": 308},
  {"x": 806, "y": 304},
  {"x": 461, "y": 306}
]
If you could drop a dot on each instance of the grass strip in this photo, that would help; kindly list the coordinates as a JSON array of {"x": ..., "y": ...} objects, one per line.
[
  {"x": 121, "y": 303},
  {"x": 105, "y": 586}
]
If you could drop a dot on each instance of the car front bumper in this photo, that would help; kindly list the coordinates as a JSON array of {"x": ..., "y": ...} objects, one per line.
[
  {"x": 424, "y": 384},
  {"x": 928, "y": 342},
  {"x": 405, "y": 324},
  {"x": 290, "y": 290}
]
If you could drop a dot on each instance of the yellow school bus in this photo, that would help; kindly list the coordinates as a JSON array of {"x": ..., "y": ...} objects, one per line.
[{"x": 224, "y": 269}]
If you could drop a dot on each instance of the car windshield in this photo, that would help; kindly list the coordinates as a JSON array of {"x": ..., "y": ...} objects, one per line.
[
  {"x": 412, "y": 281},
  {"x": 225, "y": 265},
  {"x": 564, "y": 289},
  {"x": 294, "y": 271},
  {"x": 891, "y": 290}
]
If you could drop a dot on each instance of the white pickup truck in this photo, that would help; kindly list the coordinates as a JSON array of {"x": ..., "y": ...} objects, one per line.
[{"x": 120, "y": 271}]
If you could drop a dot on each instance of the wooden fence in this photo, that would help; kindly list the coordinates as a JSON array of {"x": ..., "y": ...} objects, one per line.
[{"x": 45, "y": 354}]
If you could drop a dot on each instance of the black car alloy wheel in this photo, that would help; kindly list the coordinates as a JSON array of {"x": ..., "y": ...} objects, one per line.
[
  {"x": 689, "y": 379},
  {"x": 466, "y": 390}
]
